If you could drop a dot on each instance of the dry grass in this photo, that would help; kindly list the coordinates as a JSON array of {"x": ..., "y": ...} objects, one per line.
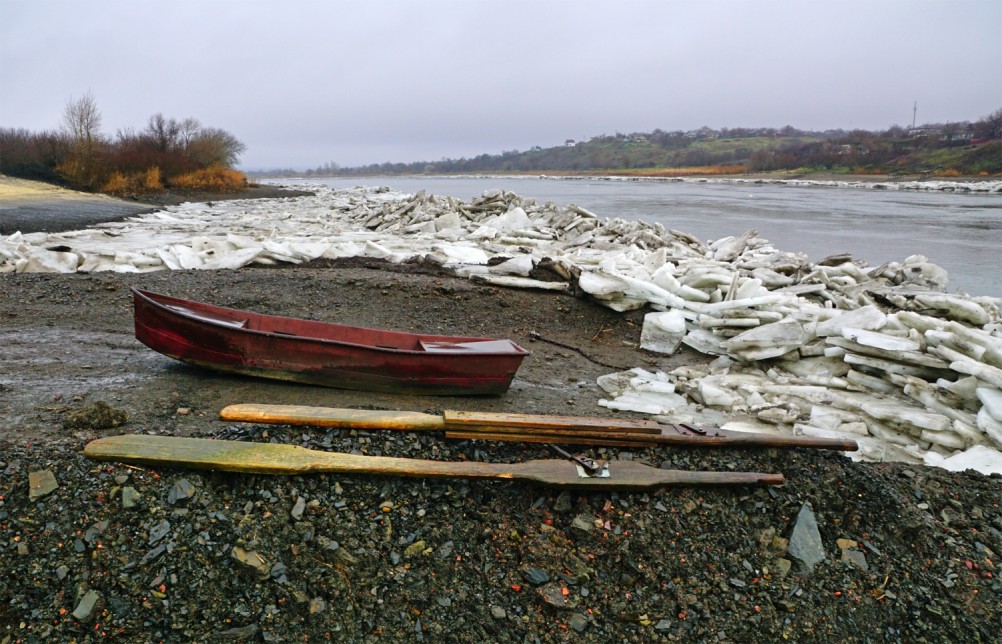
[
  {"x": 138, "y": 183},
  {"x": 215, "y": 179}
]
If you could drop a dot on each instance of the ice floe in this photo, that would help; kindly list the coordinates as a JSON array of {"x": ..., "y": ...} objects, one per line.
[{"x": 883, "y": 355}]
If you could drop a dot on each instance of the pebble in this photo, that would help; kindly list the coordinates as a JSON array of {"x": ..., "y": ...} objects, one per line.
[
  {"x": 253, "y": 561},
  {"x": 536, "y": 576},
  {"x": 497, "y": 612},
  {"x": 805, "y": 541},
  {"x": 584, "y": 522},
  {"x": 130, "y": 497},
  {"x": 415, "y": 548},
  {"x": 182, "y": 490},
  {"x": 41, "y": 483},
  {"x": 578, "y": 622},
  {"x": 298, "y": 508},
  {"x": 87, "y": 607}
]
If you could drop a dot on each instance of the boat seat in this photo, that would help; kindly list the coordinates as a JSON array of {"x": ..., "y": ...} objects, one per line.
[
  {"x": 208, "y": 317},
  {"x": 480, "y": 346}
]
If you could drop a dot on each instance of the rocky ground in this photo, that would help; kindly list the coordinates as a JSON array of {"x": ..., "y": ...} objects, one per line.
[{"x": 95, "y": 551}]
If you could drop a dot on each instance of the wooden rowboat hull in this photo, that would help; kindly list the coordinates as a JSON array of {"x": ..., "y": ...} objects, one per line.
[{"x": 318, "y": 353}]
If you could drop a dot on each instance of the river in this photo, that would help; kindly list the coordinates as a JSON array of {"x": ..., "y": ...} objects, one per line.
[{"x": 960, "y": 232}]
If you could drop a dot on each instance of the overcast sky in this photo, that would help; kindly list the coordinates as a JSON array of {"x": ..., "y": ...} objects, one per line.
[{"x": 304, "y": 82}]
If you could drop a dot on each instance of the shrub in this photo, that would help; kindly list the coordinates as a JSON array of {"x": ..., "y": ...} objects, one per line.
[
  {"x": 949, "y": 172},
  {"x": 151, "y": 180},
  {"x": 117, "y": 184},
  {"x": 214, "y": 179},
  {"x": 135, "y": 183}
]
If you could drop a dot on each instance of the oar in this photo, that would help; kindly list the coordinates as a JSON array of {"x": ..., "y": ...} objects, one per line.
[
  {"x": 270, "y": 458},
  {"x": 573, "y": 430}
]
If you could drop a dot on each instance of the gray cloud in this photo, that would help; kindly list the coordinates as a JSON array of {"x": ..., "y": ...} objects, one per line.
[{"x": 305, "y": 82}]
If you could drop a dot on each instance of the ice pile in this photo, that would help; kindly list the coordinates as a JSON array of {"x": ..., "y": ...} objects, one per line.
[{"x": 883, "y": 355}]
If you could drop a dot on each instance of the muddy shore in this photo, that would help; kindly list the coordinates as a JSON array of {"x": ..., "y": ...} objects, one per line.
[{"x": 142, "y": 554}]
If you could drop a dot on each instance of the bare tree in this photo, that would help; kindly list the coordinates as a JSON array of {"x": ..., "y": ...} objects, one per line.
[
  {"x": 187, "y": 131},
  {"x": 82, "y": 120},
  {"x": 215, "y": 147},
  {"x": 163, "y": 133},
  {"x": 82, "y": 124}
]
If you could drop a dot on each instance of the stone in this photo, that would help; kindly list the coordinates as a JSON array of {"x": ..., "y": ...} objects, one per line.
[
  {"x": 415, "y": 548},
  {"x": 159, "y": 531},
  {"x": 130, "y": 497},
  {"x": 805, "y": 540},
  {"x": 41, "y": 483},
  {"x": 536, "y": 576},
  {"x": 856, "y": 558},
  {"x": 252, "y": 561},
  {"x": 182, "y": 490},
  {"x": 578, "y": 622},
  {"x": 298, "y": 508},
  {"x": 88, "y": 606},
  {"x": 584, "y": 522}
]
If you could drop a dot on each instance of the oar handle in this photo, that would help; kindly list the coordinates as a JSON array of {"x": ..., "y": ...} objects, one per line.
[{"x": 332, "y": 417}]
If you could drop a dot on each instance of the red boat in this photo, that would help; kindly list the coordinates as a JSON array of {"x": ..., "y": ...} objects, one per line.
[{"x": 318, "y": 353}]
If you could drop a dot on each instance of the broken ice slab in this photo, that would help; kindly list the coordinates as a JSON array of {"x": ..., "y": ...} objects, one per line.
[
  {"x": 868, "y": 318},
  {"x": 767, "y": 341},
  {"x": 512, "y": 281},
  {"x": 985, "y": 459},
  {"x": 887, "y": 410},
  {"x": 889, "y": 366},
  {"x": 646, "y": 402},
  {"x": 879, "y": 340},
  {"x": 954, "y": 307},
  {"x": 915, "y": 358},
  {"x": 663, "y": 332},
  {"x": 992, "y": 401}
]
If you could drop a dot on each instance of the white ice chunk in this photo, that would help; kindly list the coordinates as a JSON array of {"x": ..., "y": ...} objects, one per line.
[
  {"x": 663, "y": 332},
  {"x": 958, "y": 308},
  {"x": 992, "y": 401},
  {"x": 879, "y": 340},
  {"x": 981, "y": 458},
  {"x": 866, "y": 318},
  {"x": 518, "y": 265}
]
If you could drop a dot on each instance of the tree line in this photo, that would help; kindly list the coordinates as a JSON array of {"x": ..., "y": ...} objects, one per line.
[
  {"x": 946, "y": 149},
  {"x": 166, "y": 153}
]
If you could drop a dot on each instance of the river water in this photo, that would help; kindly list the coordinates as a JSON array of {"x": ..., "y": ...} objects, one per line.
[{"x": 960, "y": 232}]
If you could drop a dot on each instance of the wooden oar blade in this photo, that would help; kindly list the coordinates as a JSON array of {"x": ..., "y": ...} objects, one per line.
[{"x": 204, "y": 454}]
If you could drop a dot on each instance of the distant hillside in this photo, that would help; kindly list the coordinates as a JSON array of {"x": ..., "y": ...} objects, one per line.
[{"x": 951, "y": 149}]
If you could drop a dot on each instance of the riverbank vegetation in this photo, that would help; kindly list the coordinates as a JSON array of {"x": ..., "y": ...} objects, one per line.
[
  {"x": 167, "y": 154},
  {"x": 939, "y": 149}
]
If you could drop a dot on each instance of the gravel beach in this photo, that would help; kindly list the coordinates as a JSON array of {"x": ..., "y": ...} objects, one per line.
[{"x": 97, "y": 551}]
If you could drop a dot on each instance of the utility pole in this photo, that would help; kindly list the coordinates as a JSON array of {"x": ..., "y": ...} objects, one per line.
[{"x": 914, "y": 112}]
